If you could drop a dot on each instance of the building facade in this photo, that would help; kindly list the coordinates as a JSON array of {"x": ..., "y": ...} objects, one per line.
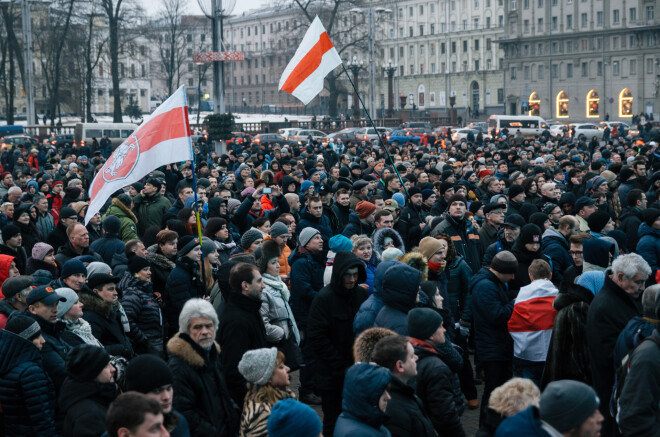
[{"x": 582, "y": 59}]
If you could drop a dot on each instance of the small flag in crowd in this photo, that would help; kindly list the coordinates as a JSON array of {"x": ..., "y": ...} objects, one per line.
[{"x": 314, "y": 59}]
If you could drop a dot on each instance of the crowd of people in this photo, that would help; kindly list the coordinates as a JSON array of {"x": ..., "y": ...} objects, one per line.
[{"x": 394, "y": 278}]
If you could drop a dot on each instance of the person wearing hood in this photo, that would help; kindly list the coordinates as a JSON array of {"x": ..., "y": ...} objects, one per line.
[
  {"x": 632, "y": 216},
  {"x": 184, "y": 281},
  {"x": 555, "y": 245},
  {"x": 597, "y": 254},
  {"x": 13, "y": 246},
  {"x": 150, "y": 206},
  {"x": 87, "y": 392},
  {"x": 400, "y": 289},
  {"x": 649, "y": 240},
  {"x": 121, "y": 207},
  {"x": 436, "y": 382},
  {"x": 110, "y": 244},
  {"x": 526, "y": 249},
  {"x": 25, "y": 223},
  {"x": 217, "y": 230},
  {"x": 330, "y": 332},
  {"x": 365, "y": 399},
  {"x": 363, "y": 249},
  {"x": 385, "y": 238},
  {"x": 27, "y": 393},
  {"x": 366, "y": 315}
]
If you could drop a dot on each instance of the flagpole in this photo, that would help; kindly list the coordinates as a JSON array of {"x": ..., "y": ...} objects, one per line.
[
  {"x": 380, "y": 140},
  {"x": 192, "y": 166}
]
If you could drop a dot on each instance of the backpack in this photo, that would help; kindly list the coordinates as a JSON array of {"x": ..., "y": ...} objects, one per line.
[{"x": 621, "y": 374}]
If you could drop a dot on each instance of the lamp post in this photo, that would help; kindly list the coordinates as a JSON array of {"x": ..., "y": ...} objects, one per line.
[
  {"x": 199, "y": 89},
  {"x": 389, "y": 69},
  {"x": 355, "y": 66}
]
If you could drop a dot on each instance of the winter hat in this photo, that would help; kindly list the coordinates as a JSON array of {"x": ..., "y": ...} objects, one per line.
[
  {"x": 98, "y": 267},
  {"x": 257, "y": 365},
  {"x": 278, "y": 229},
  {"x": 71, "y": 299},
  {"x": 112, "y": 225},
  {"x": 475, "y": 207},
  {"x": 423, "y": 322},
  {"x": 414, "y": 190},
  {"x": 147, "y": 372},
  {"x": 626, "y": 173},
  {"x": 290, "y": 417},
  {"x": 137, "y": 263},
  {"x": 23, "y": 326},
  {"x": 651, "y": 215},
  {"x": 42, "y": 277},
  {"x": 539, "y": 219},
  {"x": 530, "y": 234},
  {"x": 306, "y": 185},
  {"x": 232, "y": 204},
  {"x": 504, "y": 262},
  {"x": 444, "y": 186},
  {"x": 86, "y": 361},
  {"x": 620, "y": 237},
  {"x": 428, "y": 193},
  {"x": 155, "y": 182},
  {"x": 208, "y": 246},
  {"x": 72, "y": 267},
  {"x": 429, "y": 246},
  {"x": 400, "y": 198},
  {"x": 340, "y": 243},
  {"x": 248, "y": 192},
  {"x": 306, "y": 235},
  {"x": 456, "y": 198},
  {"x": 67, "y": 212},
  {"x": 250, "y": 236},
  {"x": 515, "y": 190},
  {"x": 125, "y": 199},
  {"x": 269, "y": 250},
  {"x": 364, "y": 209},
  {"x": 598, "y": 220},
  {"x": 185, "y": 244},
  {"x": 14, "y": 285},
  {"x": 10, "y": 231},
  {"x": 390, "y": 254},
  {"x": 592, "y": 280},
  {"x": 566, "y": 404},
  {"x": 490, "y": 207},
  {"x": 40, "y": 250}
]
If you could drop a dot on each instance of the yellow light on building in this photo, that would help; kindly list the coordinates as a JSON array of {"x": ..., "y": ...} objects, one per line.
[
  {"x": 593, "y": 104},
  {"x": 625, "y": 103},
  {"x": 562, "y": 104},
  {"x": 534, "y": 104}
]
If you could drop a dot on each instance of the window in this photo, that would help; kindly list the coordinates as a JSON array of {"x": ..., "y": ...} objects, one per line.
[
  {"x": 500, "y": 95},
  {"x": 411, "y": 50},
  {"x": 443, "y": 27},
  {"x": 487, "y": 22},
  {"x": 410, "y": 31},
  {"x": 650, "y": 40},
  {"x": 599, "y": 68},
  {"x": 465, "y": 48},
  {"x": 615, "y": 42},
  {"x": 513, "y": 73},
  {"x": 555, "y": 71},
  {"x": 476, "y": 4},
  {"x": 541, "y": 72},
  {"x": 400, "y": 12},
  {"x": 401, "y": 52},
  {"x": 525, "y": 4},
  {"x": 569, "y": 46},
  {"x": 453, "y": 67},
  {"x": 540, "y": 3},
  {"x": 421, "y": 9},
  {"x": 599, "y": 18},
  {"x": 432, "y": 29},
  {"x": 555, "y": 48},
  {"x": 649, "y": 13},
  {"x": 489, "y": 64},
  {"x": 400, "y": 32},
  {"x": 476, "y": 44},
  {"x": 421, "y": 30},
  {"x": 475, "y": 23},
  {"x": 569, "y": 70},
  {"x": 476, "y": 65},
  {"x": 401, "y": 70},
  {"x": 421, "y": 50},
  {"x": 421, "y": 68},
  {"x": 615, "y": 68},
  {"x": 526, "y": 50},
  {"x": 633, "y": 67},
  {"x": 632, "y": 14},
  {"x": 539, "y": 49},
  {"x": 391, "y": 53},
  {"x": 410, "y": 11},
  {"x": 190, "y": 82},
  {"x": 616, "y": 18},
  {"x": 526, "y": 72},
  {"x": 526, "y": 26},
  {"x": 514, "y": 5},
  {"x": 592, "y": 104},
  {"x": 442, "y": 48},
  {"x": 432, "y": 8},
  {"x": 539, "y": 26},
  {"x": 649, "y": 66},
  {"x": 500, "y": 21},
  {"x": 555, "y": 23},
  {"x": 583, "y": 20},
  {"x": 488, "y": 44},
  {"x": 453, "y": 46},
  {"x": 432, "y": 67},
  {"x": 633, "y": 40},
  {"x": 453, "y": 26},
  {"x": 569, "y": 21},
  {"x": 412, "y": 69},
  {"x": 464, "y": 25},
  {"x": 432, "y": 48}
]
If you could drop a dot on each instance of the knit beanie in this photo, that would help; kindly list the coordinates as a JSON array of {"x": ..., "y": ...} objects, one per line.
[
  {"x": 429, "y": 246},
  {"x": 530, "y": 234},
  {"x": 566, "y": 404},
  {"x": 390, "y": 254},
  {"x": 248, "y": 192},
  {"x": 185, "y": 244},
  {"x": 428, "y": 193},
  {"x": 147, "y": 372},
  {"x": 25, "y": 327},
  {"x": 40, "y": 250},
  {"x": 340, "y": 243},
  {"x": 423, "y": 322},
  {"x": 592, "y": 280},
  {"x": 290, "y": 417},
  {"x": 86, "y": 361},
  {"x": 125, "y": 199},
  {"x": 364, "y": 209},
  {"x": 250, "y": 236},
  {"x": 598, "y": 220},
  {"x": 306, "y": 235},
  {"x": 400, "y": 198},
  {"x": 414, "y": 190},
  {"x": 504, "y": 262},
  {"x": 137, "y": 263},
  {"x": 651, "y": 215},
  {"x": 71, "y": 299},
  {"x": 257, "y": 365},
  {"x": 277, "y": 229},
  {"x": 112, "y": 225},
  {"x": 208, "y": 246},
  {"x": 42, "y": 277},
  {"x": 268, "y": 250},
  {"x": 475, "y": 207},
  {"x": 9, "y": 232},
  {"x": 73, "y": 266},
  {"x": 14, "y": 285},
  {"x": 232, "y": 205},
  {"x": 98, "y": 267},
  {"x": 515, "y": 190},
  {"x": 67, "y": 212},
  {"x": 456, "y": 198}
]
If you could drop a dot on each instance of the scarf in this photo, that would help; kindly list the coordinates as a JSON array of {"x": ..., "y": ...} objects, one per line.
[
  {"x": 82, "y": 329},
  {"x": 123, "y": 317},
  {"x": 437, "y": 267},
  {"x": 278, "y": 285}
]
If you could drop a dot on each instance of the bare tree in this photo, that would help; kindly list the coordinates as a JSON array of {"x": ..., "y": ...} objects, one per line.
[
  {"x": 172, "y": 44},
  {"x": 114, "y": 11},
  {"x": 11, "y": 53}
]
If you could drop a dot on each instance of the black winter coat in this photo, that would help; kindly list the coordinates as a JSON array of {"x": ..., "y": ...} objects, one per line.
[
  {"x": 356, "y": 226},
  {"x": 491, "y": 311},
  {"x": 27, "y": 394},
  {"x": 406, "y": 415},
  {"x": 144, "y": 315},
  {"x": 201, "y": 393},
  {"x": 54, "y": 352},
  {"x": 57, "y": 237},
  {"x": 467, "y": 245},
  {"x": 106, "y": 324},
  {"x": 85, "y": 404},
  {"x": 183, "y": 283},
  {"x": 408, "y": 225},
  {"x": 107, "y": 247},
  {"x": 306, "y": 281},
  {"x": 161, "y": 267},
  {"x": 330, "y": 329},
  {"x": 241, "y": 329},
  {"x": 631, "y": 218}
]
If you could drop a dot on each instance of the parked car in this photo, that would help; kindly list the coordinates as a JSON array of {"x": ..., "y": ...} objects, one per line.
[
  {"x": 462, "y": 134},
  {"x": 420, "y": 131},
  {"x": 586, "y": 131},
  {"x": 344, "y": 137},
  {"x": 557, "y": 129},
  {"x": 62, "y": 140},
  {"x": 240, "y": 138},
  {"x": 303, "y": 134},
  {"x": 268, "y": 139},
  {"x": 286, "y": 132},
  {"x": 413, "y": 124},
  {"x": 369, "y": 134},
  {"x": 19, "y": 140},
  {"x": 402, "y": 137}
]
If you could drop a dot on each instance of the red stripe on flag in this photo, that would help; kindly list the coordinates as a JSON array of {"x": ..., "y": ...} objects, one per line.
[
  {"x": 167, "y": 126},
  {"x": 533, "y": 315},
  {"x": 308, "y": 64}
]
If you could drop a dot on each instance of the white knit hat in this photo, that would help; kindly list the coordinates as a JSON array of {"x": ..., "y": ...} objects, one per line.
[{"x": 257, "y": 365}]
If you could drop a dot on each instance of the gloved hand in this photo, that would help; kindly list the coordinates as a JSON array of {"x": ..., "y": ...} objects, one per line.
[{"x": 464, "y": 331}]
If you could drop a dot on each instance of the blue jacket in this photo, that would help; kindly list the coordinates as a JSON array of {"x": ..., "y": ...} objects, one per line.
[
  {"x": 366, "y": 316},
  {"x": 637, "y": 329},
  {"x": 306, "y": 281},
  {"x": 107, "y": 247},
  {"x": 360, "y": 416},
  {"x": 27, "y": 394},
  {"x": 524, "y": 424},
  {"x": 491, "y": 311},
  {"x": 555, "y": 246},
  {"x": 370, "y": 267},
  {"x": 183, "y": 283},
  {"x": 322, "y": 224},
  {"x": 400, "y": 286},
  {"x": 648, "y": 246}
]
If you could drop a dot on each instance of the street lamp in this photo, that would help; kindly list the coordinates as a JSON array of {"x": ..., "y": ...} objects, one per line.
[
  {"x": 389, "y": 69},
  {"x": 199, "y": 89},
  {"x": 355, "y": 66}
]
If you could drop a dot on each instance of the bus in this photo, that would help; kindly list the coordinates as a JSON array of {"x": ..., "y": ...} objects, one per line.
[
  {"x": 11, "y": 130},
  {"x": 528, "y": 125},
  {"x": 116, "y": 132}
]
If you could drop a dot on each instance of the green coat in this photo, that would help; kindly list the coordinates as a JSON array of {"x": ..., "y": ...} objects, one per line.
[
  {"x": 150, "y": 210},
  {"x": 127, "y": 220}
]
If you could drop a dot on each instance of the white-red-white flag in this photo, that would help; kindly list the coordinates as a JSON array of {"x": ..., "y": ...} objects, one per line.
[
  {"x": 161, "y": 140},
  {"x": 314, "y": 59}
]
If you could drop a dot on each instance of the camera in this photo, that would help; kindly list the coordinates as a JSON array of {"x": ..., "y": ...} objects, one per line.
[{"x": 267, "y": 190}]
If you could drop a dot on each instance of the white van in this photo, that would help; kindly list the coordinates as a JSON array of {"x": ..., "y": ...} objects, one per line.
[
  {"x": 528, "y": 125},
  {"x": 116, "y": 132}
]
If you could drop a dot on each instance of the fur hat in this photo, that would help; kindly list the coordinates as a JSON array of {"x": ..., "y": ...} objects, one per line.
[
  {"x": 365, "y": 342},
  {"x": 269, "y": 250},
  {"x": 417, "y": 261}
]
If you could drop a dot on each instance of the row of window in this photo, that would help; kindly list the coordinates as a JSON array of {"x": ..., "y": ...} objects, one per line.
[
  {"x": 592, "y": 104},
  {"x": 584, "y": 20},
  {"x": 587, "y": 69},
  {"x": 421, "y": 28},
  {"x": 585, "y": 45},
  {"x": 465, "y": 4}
]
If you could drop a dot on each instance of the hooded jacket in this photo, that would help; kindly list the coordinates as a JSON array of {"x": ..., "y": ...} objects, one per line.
[
  {"x": 648, "y": 246},
  {"x": 360, "y": 416},
  {"x": 400, "y": 286},
  {"x": 356, "y": 226},
  {"x": 183, "y": 283},
  {"x": 526, "y": 423},
  {"x": 366, "y": 316},
  {"x": 19, "y": 256},
  {"x": 161, "y": 267},
  {"x": 54, "y": 352},
  {"x": 630, "y": 219},
  {"x": 149, "y": 210},
  {"x": 465, "y": 238},
  {"x": 595, "y": 254},
  {"x": 330, "y": 329},
  {"x": 106, "y": 324},
  {"x": 27, "y": 394},
  {"x": 127, "y": 220},
  {"x": 379, "y": 242},
  {"x": 86, "y": 404},
  {"x": 144, "y": 315},
  {"x": 306, "y": 281},
  {"x": 555, "y": 246}
]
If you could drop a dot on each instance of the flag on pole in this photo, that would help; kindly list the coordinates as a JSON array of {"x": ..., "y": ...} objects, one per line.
[
  {"x": 314, "y": 59},
  {"x": 163, "y": 139}
]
